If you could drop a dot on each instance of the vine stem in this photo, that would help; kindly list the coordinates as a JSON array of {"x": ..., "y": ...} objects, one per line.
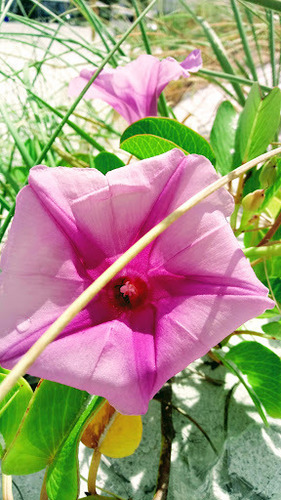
[
  {"x": 93, "y": 471},
  {"x": 271, "y": 231},
  {"x": 168, "y": 434},
  {"x": 43, "y": 493},
  {"x": 7, "y": 492},
  {"x": 67, "y": 316}
]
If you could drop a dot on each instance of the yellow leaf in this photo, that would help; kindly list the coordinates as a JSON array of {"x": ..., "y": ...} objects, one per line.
[
  {"x": 122, "y": 436},
  {"x": 113, "y": 434}
]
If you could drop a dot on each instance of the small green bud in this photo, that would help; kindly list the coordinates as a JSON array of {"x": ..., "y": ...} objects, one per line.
[
  {"x": 253, "y": 201},
  {"x": 268, "y": 173}
]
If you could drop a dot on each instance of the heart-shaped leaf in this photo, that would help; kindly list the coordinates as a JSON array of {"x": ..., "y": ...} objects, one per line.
[
  {"x": 104, "y": 162},
  {"x": 49, "y": 436},
  {"x": 153, "y": 136}
]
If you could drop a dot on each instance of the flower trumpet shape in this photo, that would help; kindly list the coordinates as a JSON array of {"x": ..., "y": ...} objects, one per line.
[
  {"x": 133, "y": 90},
  {"x": 175, "y": 300}
]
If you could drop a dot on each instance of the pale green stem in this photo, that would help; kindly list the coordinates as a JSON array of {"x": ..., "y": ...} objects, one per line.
[
  {"x": 43, "y": 492},
  {"x": 264, "y": 252},
  {"x": 253, "y": 333},
  {"x": 7, "y": 492},
  {"x": 66, "y": 317},
  {"x": 233, "y": 217}
]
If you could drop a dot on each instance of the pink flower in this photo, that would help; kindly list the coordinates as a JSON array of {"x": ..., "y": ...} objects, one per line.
[
  {"x": 179, "y": 297},
  {"x": 133, "y": 90}
]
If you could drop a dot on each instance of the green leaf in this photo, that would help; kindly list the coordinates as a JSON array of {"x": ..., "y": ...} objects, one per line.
[
  {"x": 49, "y": 436},
  {"x": 231, "y": 366},
  {"x": 17, "y": 139},
  {"x": 20, "y": 174},
  {"x": 275, "y": 283},
  {"x": 153, "y": 136},
  {"x": 274, "y": 188},
  {"x": 263, "y": 370},
  {"x": 104, "y": 162},
  {"x": 12, "y": 409},
  {"x": 51, "y": 414},
  {"x": 258, "y": 123},
  {"x": 273, "y": 329},
  {"x": 63, "y": 474},
  {"x": 223, "y": 137}
]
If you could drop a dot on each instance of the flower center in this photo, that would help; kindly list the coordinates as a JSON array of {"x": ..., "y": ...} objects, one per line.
[{"x": 127, "y": 292}]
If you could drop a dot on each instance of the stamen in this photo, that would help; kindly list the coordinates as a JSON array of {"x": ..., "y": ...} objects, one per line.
[
  {"x": 128, "y": 289},
  {"x": 127, "y": 292}
]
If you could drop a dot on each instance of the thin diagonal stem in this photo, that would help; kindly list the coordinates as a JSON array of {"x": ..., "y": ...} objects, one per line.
[{"x": 58, "y": 326}]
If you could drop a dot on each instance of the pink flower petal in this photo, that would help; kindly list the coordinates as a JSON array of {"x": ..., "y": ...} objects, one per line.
[
  {"x": 189, "y": 289},
  {"x": 133, "y": 90},
  {"x": 198, "y": 323},
  {"x": 102, "y": 212},
  {"x": 41, "y": 272}
]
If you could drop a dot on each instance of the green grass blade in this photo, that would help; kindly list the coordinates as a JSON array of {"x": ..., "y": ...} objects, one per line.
[
  {"x": 271, "y": 44},
  {"x": 242, "y": 68},
  {"x": 89, "y": 14},
  {"x": 268, "y": 4},
  {"x": 13, "y": 131},
  {"x": 4, "y": 203},
  {"x": 57, "y": 18},
  {"x": 231, "y": 78},
  {"x": 218, "y": 49},
  {"x": 244, "y": 39},
  {"x": 89, "y": 83},
  {"x": 142, "y": 29},
  {"x": 52, "y": 55},
  {"x": 5, "y": 10},
  {"x": 162, "y": 104},
  {"x": 249, "y": 15},
  {"x": 97, "y": 23},
  {"x": 8, "y": 219},
  {"x": 48, "y": 32},
  {"x": 15, "y": 187},
  {"x": 42, "y": 131},
  {"x": 71, "y": 124},
  {"x": 47, "y": 51}
]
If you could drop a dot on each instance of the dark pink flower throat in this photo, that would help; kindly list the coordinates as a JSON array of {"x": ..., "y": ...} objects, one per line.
[{"x": 127, "y": 292}]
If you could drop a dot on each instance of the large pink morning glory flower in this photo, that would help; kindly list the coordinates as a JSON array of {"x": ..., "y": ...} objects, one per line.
[
  {"x": 133, "y": 90},
  {"x": 179, "y": 297}
]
